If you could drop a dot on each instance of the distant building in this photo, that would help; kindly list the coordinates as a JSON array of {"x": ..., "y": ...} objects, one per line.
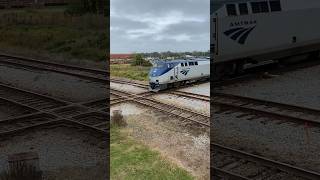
[
  {"x": 189, "y": 56},
  {"x": 121, "y": 58},
  {"x": 170, "y": 58}
]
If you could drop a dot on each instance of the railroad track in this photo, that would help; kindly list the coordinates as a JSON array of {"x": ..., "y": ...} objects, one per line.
[
  {"x": 232, "y": 164},
  {"x": 101, "y": 137},
  {"x": 262, "y": 108},
  {"x": 123, "y": 96},
  {"x": 29, "y": 111},
  {"x": 144, "y": 99},
  {"x": 44, "y": 109},
  {"x": 234, "y": 80},
  {"x": 170, "y": 91},
  {"x": 129, "y": 82},
  {"x": 191, "y": 95},
  {"x": 81, "y": 72}
]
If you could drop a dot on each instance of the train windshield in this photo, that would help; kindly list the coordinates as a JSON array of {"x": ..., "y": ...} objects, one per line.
[
  {"x": 159, "y": 64},
  {"x": 158, "y": 69}
]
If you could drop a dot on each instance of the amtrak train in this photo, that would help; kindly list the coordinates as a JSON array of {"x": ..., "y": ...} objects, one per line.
[
  {"x": 167, "y": 74},
  {"x": 249, "y": 32}
]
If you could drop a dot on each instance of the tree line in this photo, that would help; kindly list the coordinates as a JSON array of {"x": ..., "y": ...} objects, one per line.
[
  {"x": 163, "y": 55},
  {"x": 80, "y": 7}
]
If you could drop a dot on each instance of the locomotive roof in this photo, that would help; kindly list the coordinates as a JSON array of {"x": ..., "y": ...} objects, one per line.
[
  {"x": 216, "y": 4},
  {"x": 287, "y": 4},
  {"x": 182, "y": 60}
]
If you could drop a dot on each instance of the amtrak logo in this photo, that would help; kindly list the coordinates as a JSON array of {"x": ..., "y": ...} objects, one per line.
[
  {"x": 243, "y": 23},
  {"x": 185, "y": 71},
  {"x": 239, "y": 34}
]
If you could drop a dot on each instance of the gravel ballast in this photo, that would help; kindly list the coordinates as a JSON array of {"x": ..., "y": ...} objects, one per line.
[
  {"x": 202, "y": 89},
  {"x": 298, "y": 88}
]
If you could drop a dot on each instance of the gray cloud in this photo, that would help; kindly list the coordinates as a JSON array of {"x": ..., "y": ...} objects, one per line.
[{"x": 159, "y": 25}]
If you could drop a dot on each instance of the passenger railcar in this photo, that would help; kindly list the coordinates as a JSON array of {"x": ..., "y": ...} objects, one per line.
[
  {"x": 245, "y": 32},
  {"x": 166, "y": 74}
]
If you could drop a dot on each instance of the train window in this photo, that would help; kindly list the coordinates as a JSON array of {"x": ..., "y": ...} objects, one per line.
[
  {"x": 185, "y": 64},
  {"x": 255, "y": 7},
  {"x": 264, "y": 6},
  {"x": 182, "y": 64},
  {"x": 259, "y": 7},
  {"x": 190, "y": 63},
  {"x": 275, "y": 6},
  {"x": 231, "y": 10},
  {"x": 294, "y": 39},
  {"x": 243, "y": 8},
  {"x": 196, "y": 63}
]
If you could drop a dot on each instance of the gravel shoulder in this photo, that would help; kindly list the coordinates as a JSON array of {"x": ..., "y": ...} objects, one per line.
[{"x": 58, "y": 148}]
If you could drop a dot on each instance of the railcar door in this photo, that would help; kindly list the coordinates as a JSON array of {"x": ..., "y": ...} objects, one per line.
[{"x": 176, "y": 72}]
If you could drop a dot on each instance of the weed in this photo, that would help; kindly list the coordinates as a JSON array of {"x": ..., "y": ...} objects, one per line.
[
  {"x": 117, "y": 119},
  {"x": 21, "y": 172}
]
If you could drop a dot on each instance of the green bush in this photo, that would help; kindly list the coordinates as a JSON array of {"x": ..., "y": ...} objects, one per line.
[{"x": 86, "y": 6}]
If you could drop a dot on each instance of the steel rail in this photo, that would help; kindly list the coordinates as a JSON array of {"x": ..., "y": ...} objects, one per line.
[
  {"x": 218, "y": 172},
  {"x": 80, "y": 68},
  {"x": 279, "y": 111},
  {"x": 296, "y": 171},
  {"x": 57, "y": 68}
]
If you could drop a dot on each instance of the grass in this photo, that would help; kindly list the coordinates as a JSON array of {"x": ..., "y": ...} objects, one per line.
[
  {"x": 132, "y": 160},
  {"x": 129, "y": 71},
  {"x": 51, "y": 31}
]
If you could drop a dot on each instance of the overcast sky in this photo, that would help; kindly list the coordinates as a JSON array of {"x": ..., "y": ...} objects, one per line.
[{"x": 159, "y": 25}]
